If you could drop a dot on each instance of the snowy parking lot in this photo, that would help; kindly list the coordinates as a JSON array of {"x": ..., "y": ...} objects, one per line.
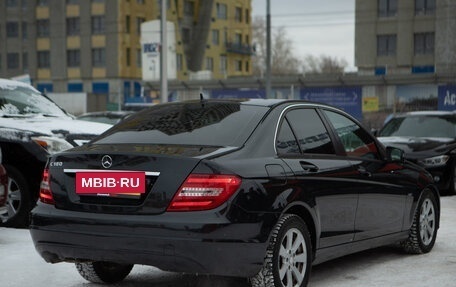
[{"x": 21, "y": 266}]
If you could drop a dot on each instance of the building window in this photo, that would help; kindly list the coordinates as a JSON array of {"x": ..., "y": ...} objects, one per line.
[
  {"x": 209, "y": 64},
  {"x": 238, "y": 65},
  {"x": 424, "y": 7},
  {"x": 247, "y": 16},
  {"x": 238, "y": 39},
  {"x": 12, "y": 29},
  {"x": 221, "y": 11},
  {"x": 189, "y": 7},
  {"x": 179, "y": 65},
  {"x": 12, "y": 61},
  {"x": 98, "y": 57},
  {"x": 127, "y": 56},
  {"x": 386, "y": 45},
  {"x": 72, "y": 2},
  {"x": 42, "y": 2},
  {"x": 139, "y": 21},
  {"x": 247, "y": 66},
  {"x": 238, "y": 14},
  {"x": 387, "y": 8},
  {"x": 11, "y": 3},
  {"x": 424, "y": 43},
  {"x": 73, "y": 58},
  {"x": 138, "y": 58},
  {"x": 215, "y": 37},
  {"x": 44, "y": 59},
  {"x": 98, "y": 24},
  {"x": 24, "y": 30},
  {"x": 127, "y": 24},
  {"x": 42, "y": 28},
  {"x": 73, "y": 26},
  {"x": 223, "y": 64},
  {"x": 24, "y": 61},
  {"x": 141, "y": 2},
  {"x": 98, "y": 1}
]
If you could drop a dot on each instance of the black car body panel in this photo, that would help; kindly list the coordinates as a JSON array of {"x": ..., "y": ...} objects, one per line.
[{"x": 349, "y": 202}]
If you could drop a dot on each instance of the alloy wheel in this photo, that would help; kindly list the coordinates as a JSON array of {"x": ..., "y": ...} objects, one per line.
[
  {"x": 292, "y": 258},
  {"x": 427, "y": 221}
]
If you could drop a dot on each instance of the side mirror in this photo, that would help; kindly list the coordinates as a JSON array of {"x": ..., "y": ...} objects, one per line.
[{"x": 395, "y": 154}]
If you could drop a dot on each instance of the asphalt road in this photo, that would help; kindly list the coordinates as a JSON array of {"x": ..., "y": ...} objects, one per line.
[{"x": 21, "y": 266}]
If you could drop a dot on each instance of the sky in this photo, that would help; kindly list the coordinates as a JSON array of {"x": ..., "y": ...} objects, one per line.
[{"x": 316, "y": 27}]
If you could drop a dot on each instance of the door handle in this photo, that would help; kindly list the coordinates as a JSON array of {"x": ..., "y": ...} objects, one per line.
[{"x": 308, "y": 167}]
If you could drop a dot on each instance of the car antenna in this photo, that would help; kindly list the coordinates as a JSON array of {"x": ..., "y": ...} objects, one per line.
[{"x": 202, "y": 100}]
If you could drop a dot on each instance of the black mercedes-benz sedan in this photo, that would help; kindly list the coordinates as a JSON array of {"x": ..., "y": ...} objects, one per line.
[{"x": 261, "y": 189}]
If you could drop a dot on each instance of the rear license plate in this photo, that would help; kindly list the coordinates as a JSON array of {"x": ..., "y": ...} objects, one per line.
[{"x": 110, "y": 183}]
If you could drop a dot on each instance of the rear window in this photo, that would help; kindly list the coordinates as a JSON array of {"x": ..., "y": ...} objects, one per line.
[
  {"x": 191, "y": 123},
  {"x": 421, "y": 126}
]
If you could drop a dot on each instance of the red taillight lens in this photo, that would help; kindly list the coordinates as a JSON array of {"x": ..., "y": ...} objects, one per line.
[
  {"x": 45, "y": 189},
  {"x": 204, "y": 192}
]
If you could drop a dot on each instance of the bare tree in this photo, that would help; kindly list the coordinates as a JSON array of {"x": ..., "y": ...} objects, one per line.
[
  {"x": 283, "y": 61},
  {"x": 324, "y": 64}
]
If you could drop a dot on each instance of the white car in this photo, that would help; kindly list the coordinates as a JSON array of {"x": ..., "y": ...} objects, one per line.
[{"x": 31, "y": 128}]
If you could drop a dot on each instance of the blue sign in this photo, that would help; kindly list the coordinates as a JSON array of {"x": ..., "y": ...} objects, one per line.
[
  {"x": 347, "y": 99},
  {"x": 238, "y": 94},
  {"x": 447, "y": 98},
  {"x": 151, "y": 47}
]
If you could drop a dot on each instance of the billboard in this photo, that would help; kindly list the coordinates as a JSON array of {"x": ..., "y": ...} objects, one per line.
[
  {"x": 447, "y": 98},
  {"x": 346, "y": 98},
  {"x": 151, "y": 48}
]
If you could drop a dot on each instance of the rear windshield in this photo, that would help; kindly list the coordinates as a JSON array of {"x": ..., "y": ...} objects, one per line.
[
  {"x": 421, "y": 126},
  {"x": 190, "y": 123}
]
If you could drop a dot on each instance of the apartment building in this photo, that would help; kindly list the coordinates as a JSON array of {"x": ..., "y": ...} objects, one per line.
[
  {"x": 94, "y": 45},
  {"x": 405, "y": 36}
]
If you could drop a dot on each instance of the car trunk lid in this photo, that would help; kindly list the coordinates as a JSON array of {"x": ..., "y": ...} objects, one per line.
[{"x": 163, "y": 168}]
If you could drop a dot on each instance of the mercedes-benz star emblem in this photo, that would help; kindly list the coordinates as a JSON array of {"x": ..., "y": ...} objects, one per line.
[{"x": 106, "y": 161}]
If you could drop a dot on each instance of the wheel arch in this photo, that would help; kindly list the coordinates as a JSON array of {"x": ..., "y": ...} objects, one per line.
[{"x": 308, "y": 216}]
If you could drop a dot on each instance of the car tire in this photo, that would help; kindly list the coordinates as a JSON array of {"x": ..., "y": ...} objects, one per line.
[
  {"x": 423, "y": 232},
  {"x": 103, "y": 272},
  {"x": 288, "y": 257},
  {"x": 18, "y": 202}
]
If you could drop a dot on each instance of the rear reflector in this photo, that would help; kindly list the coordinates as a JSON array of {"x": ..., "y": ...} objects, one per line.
[
  {"x": 45, "y": 189},
  {"x": 204, "y": 192}
]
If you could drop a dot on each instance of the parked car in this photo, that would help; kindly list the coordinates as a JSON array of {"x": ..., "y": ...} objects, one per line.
[
  {"x": 3, "y": 187},
  {"x": 261, "y": 189},
  {"x": 428, "y": 139},
  {"x": 107, "y": 117},
  {"x": 31, "y": 128}
]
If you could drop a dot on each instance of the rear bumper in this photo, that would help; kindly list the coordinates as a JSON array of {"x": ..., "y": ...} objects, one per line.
[{"x": 181, "y": 242}]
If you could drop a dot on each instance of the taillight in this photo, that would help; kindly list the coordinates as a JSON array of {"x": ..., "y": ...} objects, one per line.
[
  {"x": 204, "y": 192},
  {"x": 45, "y": 189}
]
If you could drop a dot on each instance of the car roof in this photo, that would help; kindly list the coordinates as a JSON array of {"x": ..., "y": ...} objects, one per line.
[{"x": 426, "y": 113}]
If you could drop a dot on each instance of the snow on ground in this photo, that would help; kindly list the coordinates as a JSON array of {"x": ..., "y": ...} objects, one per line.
[{"x": 21, "y": 266}]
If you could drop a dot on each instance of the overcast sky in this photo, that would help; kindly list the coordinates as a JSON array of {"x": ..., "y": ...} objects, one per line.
[{"x": 316, "y": 27}]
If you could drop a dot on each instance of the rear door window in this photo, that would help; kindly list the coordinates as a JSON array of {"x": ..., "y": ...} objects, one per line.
[{"x": 310, "y": 134}]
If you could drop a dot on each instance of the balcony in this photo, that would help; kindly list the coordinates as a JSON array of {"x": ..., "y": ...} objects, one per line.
[{"x": 238, "y": 48}]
